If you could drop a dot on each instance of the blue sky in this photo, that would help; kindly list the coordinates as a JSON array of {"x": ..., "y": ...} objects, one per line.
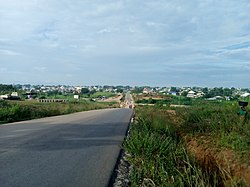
[{"x": 128, "y": 42}]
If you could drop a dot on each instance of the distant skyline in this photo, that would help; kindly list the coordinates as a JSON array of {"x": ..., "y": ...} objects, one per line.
[{"x": 125, "y": 42}]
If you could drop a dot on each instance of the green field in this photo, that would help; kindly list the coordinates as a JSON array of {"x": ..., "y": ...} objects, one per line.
[
  {"x": 101, "y": 94},
  {"x": 11, "y": 111},
  {"x": 70, "y": 96}
]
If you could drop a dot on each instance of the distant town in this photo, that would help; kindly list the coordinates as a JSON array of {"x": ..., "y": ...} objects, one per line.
[{"x": 29, "y": 91}]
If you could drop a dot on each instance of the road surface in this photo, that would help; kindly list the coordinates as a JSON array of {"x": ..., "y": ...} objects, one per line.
[
  {"x": 128, "y": 101},
  {"x": 79, "y": 149}
]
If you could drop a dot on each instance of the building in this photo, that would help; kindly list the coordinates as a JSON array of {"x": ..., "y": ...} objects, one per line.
[
  {"x": 191, "y": 94},
  {"x": 146, "y": 91},
  {"x": 14, "y": 94},
  {"x": 6, "y": 96},
  {"x": 199, "y": 94}
]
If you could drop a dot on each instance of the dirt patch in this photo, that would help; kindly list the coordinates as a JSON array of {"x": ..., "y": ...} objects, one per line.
[
  {"x": 222, "y": 162},
  {"x": 179, "y": 106},
  {"x": 171, "y": 112},
  {"x": 113, "y": 99},
  {"x": 152, "y": 96}
]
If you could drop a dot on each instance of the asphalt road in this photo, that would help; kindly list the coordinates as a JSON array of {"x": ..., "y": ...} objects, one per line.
[{"x": 79, "y": 149}]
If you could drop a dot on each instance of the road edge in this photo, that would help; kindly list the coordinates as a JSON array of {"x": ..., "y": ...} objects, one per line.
[{"x": 120, "y": 159}]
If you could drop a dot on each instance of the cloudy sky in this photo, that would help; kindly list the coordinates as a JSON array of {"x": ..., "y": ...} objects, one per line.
[{"x": 125, "y": 42}]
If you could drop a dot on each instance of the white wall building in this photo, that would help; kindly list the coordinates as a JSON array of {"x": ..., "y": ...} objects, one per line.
[{"x": 191, "y": 94}]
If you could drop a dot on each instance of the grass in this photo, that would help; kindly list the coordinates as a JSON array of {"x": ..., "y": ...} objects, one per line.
[
  {"x": 24, "y": 110},
  {"x": 159, "y": 155},
  {"x": 100, "y": 94},
  {"x": 219, "y": 121},
  {"x": 234, "y": 141},
  {"x": 167, "y": 101},
  {"x": 56, "y": 96},
  {"x": 70, "y": 96}
]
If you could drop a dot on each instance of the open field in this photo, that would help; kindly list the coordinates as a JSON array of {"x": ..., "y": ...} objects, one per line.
[
  {"x": 11, "y": 111},
  {"x": 101, "y": 94},
  {"x": 207, "y": 144},
  {"x": 162, "y": 99}
]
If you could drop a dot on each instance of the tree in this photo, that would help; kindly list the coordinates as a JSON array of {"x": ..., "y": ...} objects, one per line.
[
  {"x": 6, "y": 88},
  {"x": 151, "y": 101},
  {"x": 227, "y": 92},
  {"x": 92, "y": 92},
  {"x": 184, "y": 93},
  {"x": 84, "y": 91},
  {"x": 137, "y": 90},
  {"x": 119, "y": 90},
  {"x": 205, "y": 90},
  {"x": 173, "y": 89}
]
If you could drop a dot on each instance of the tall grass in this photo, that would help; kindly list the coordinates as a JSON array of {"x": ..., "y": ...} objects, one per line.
[
  {"x": 218, "y": 121},
  {"x": 158, "y": 155}
]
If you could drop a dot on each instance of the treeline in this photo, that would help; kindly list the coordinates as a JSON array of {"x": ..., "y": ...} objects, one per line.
[
  {"x": 221, "y": 92},
  {"x": 6, "y": 88},
  {"x": 217, "y": 92}
]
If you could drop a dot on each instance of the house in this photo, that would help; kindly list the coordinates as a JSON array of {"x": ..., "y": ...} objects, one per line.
[
  {"x": 245, "y": 95},
  {"x": 199, "y": 94},
  {"x": 6, "y": 96},
  {"x": 146, "y": 91},
  {"x": 76, "y": 96},
  {"x": 191, "y": 94},
  {"x": 14, "y": 94},
  {"x": 215, "y": 98},
  {"x": 173, "y": 93}
]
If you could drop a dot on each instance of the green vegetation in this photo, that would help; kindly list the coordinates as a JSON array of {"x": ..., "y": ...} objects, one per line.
[
  {"x": 101, "y": 94},
  {"x": 55, "y": 95},
  {"x": 158, "y": 154},
  {"x": 219, "y": 121},
  {"x": 4, "y": 89},
  {"x": 137, "y": 90},
  {"x": 70, "y": 96},
  {"x": 159, "y": 138},
  {"x": 169, "y": 100},
  {"x": 24, "y": 110}
]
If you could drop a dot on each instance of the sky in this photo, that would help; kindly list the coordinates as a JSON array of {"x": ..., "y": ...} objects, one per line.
[{"x": 125, "y": 42}]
